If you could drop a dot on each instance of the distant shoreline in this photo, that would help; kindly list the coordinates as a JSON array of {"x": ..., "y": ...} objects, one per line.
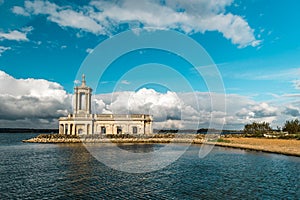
[
  {"x": 27, "y": 130},
  {"x": 289, "y": 147}
]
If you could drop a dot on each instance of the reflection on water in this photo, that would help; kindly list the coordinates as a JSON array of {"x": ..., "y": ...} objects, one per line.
[
  {"x": 138, "y": 148},
  {"x": 68, "y": 171}
]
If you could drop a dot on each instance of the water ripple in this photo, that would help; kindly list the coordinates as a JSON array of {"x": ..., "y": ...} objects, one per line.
[{"x": 52, "y": 171}]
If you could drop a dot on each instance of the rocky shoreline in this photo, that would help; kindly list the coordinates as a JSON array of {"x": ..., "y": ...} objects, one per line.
[
  {"x": 277, "y": 146},
  {"x": 168, "y": 138}
]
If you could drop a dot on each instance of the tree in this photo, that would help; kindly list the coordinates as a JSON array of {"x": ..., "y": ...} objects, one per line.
[
  {"x": 257, "y": 129},
  {"x": 292, "y": 127}
]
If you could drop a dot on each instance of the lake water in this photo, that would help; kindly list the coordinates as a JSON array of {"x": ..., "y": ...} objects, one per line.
[{"x": 69, "y": 171}]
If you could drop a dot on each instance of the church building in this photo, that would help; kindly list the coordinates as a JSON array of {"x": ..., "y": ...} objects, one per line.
[{"x": 82, "y": 121}]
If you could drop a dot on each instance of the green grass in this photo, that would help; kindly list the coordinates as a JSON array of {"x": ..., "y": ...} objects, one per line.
[
  {"x": 223, "y": 140},
  {"x": 219, "y": 140}
]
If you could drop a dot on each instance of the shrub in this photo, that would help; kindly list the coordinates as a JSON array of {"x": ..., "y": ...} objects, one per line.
[
  {"x": 292, "y": 127},
  {"x": 257, "y": 129}
]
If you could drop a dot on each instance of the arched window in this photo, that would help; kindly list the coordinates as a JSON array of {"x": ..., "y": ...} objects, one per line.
[
  {"x": 103, "y": 130},
  {"x": 119, "y": 129},
  {"x": 134, "y": 130}
]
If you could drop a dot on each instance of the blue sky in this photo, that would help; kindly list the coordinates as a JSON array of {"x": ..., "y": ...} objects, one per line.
[{"x": 254, "y": 43}]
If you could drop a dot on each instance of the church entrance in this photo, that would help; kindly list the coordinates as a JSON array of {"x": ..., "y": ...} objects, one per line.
[
  {"x": 80, "y": 131},
  {"x": 103, "y": 130},
  {"x": 119, "y": 129}
]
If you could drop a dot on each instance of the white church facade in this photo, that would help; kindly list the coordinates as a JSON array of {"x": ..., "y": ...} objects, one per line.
[{"x": 82, "y": 121}]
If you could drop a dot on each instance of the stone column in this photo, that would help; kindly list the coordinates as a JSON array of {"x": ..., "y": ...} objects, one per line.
[
  {"x": 76, "y": 106},
  {"x": 69, "y": 129},
  {"x": 150, "y": 127},
  {"x": 65, "y": 128},
  {"x": 92, "y": 128},
  {"x": 79, "y": 101},
  {"x": 95, "y": 128},
  {"x": 73, "y": 129},
  {"x": 60, "y": 128},
  {"x": 86, "y": 102},
  {"x": 147, "y": 127}
]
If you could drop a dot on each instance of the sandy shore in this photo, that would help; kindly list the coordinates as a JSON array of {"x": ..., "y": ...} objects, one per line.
[{"x": 279, "y": 146}]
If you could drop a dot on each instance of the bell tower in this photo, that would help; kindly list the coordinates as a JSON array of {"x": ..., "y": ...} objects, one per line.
[{"x": 82, "y": 101}]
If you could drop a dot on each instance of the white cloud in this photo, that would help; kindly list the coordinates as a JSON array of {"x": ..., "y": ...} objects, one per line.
[
  {"x": 285, "y": 74},
  {"x": 31, "y": 100},
  {"x": 63, "y": 16},
  {"x": 292, "y": 111},
  {"x": 291, "y": 95},
  {"x": 166, "y": 108},
  {"x": 103, "y": 17},
  {"x": 180, "y": 110},
  {"x": 258, "y": 111},
  {"x": 3, "y": 49},
  {"x": 125, "y": 82},
  {"x": 258, "y": 69},
  {"x": 19, "y": 11},
  {"x": 27, "y": 29},
  {"x": 188, "y": 16},
  {"x": 89, "y": 50},
  {"x": 14, "y": 35},
  {"x": 296, "y": 84},
  {"x": 70, "y": 18},
  {"x": 76, "y": 82}
]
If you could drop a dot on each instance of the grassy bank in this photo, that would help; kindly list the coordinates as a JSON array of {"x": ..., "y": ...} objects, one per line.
[{"x": 270, "y": 145}]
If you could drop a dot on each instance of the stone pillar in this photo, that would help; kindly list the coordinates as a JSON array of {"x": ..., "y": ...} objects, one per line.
[
  {"x": 89, "y": 129},
  {"x": 79, "y": 101},
  {"x": 146, "y": 128},
  {"x": 65, "y": 129},
  {"x": 73, "y": 129},
  {"x": 92, "y": 128},
  {"x": 87, "y": 105},
  {"x": 150, "y": 127},
  {"x": 86, "y": 129},
  {"x": 88, "y": 101},
  {"x": 69, "y": 129},
  {"x": 61, "y": 128},
  {"x": 109, "y": 129},
  {"x": 76, "y": 105},
  {"x": 95, "y": 128}
]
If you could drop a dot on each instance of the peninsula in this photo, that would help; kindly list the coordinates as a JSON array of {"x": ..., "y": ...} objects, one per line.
[{"x": 270, "y": 145}]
